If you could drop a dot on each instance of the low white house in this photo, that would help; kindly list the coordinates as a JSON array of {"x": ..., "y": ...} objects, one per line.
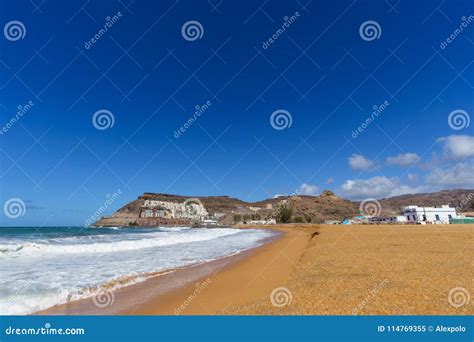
[
  {"x": 269, "y": 221},
  {"x": 210, "y": 222},
  {"x": 388, "y": 219},
  {"x": 423, "y": 215}
]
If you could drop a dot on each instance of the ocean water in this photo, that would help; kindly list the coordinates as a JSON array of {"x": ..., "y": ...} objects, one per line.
[{"x": 42, "y": 267}]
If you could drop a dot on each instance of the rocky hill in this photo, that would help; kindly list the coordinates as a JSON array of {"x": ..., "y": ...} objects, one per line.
[
  {"x": 315, "y": 209},
  {"x": 461, "y": 199}
]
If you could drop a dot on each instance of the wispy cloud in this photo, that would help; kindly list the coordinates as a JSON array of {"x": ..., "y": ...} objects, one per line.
[
  {"x": 359, "y": 162},
  {"x": 403, "y": 159}
]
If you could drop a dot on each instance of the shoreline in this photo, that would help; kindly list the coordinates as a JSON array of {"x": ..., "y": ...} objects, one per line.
[
  {"x": 316, "y": 270},
  {"x": 252, "y": 276},
  {"x": 162, "y": 294}
]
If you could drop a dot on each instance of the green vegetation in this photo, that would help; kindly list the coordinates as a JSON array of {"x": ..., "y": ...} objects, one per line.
[
  {"x": 256, "y": 217},
  {"x": 308, "y": 218},
  {"x": 244, "y": 218},
  {"x": 284, "y": 214},
  {"x": 298, "y": 219}
]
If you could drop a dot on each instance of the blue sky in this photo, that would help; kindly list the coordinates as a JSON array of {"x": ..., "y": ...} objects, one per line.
[{"x": 322, "y": 71}]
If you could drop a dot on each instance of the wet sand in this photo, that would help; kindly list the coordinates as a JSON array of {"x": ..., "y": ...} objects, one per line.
[
  {"x": 219, "y": 283},
  {"x": 318, "y": 270}
]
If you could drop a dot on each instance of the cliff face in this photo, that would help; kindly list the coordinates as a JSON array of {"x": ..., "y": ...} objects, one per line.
[
  {"x": 129, "y": 215},
  {"x": 224, "y": 209},
  {"x": 125, "y": 216},
  {"x": 315, "y": 209}
]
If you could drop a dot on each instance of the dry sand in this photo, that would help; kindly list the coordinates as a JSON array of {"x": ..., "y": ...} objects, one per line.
[
  {"x": 380, "y": 270},
  {"x": 320, "y": 270}
]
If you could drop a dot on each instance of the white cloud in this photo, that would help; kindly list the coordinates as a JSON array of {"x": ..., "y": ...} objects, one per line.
[
  {"x": 308, "y": 189},
  {"x": 441, "y": 173},
  {"x": 459, "y": 146},
  {"x": 359, "y": 162},
  {"x": 304, "y": 189},
  {"x": 377, "y": 187},
  {"x": 403, "y": 159},
  {"x": 460, "y": 175}
]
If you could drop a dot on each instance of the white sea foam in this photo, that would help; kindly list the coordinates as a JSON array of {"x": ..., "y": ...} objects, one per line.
[
  {"x": 107, "y": 244},
  {"x": 41, "y": 272}
]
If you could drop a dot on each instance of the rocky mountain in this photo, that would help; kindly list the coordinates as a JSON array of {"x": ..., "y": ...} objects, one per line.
[
  {"x": 316, "y": 209},
  {"x": 461, "y": 199}
]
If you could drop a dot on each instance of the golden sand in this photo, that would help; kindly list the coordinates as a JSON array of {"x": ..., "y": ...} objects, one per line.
[
  {"x": 381, "y": 270},
  {"x": 320, "y": 270}
]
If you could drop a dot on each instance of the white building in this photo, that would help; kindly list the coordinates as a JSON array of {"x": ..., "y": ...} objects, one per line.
[
  {"x": 423, "y": 215},
  {"x": 269, "y": 221},
  {"x": 190, "y": 209},
  {"x": 210, "y": 222},
  {"x": 388, "y": 219}
]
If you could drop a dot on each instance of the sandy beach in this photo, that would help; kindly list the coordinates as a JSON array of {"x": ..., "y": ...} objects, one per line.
[{"x": 316, "y": 270}]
